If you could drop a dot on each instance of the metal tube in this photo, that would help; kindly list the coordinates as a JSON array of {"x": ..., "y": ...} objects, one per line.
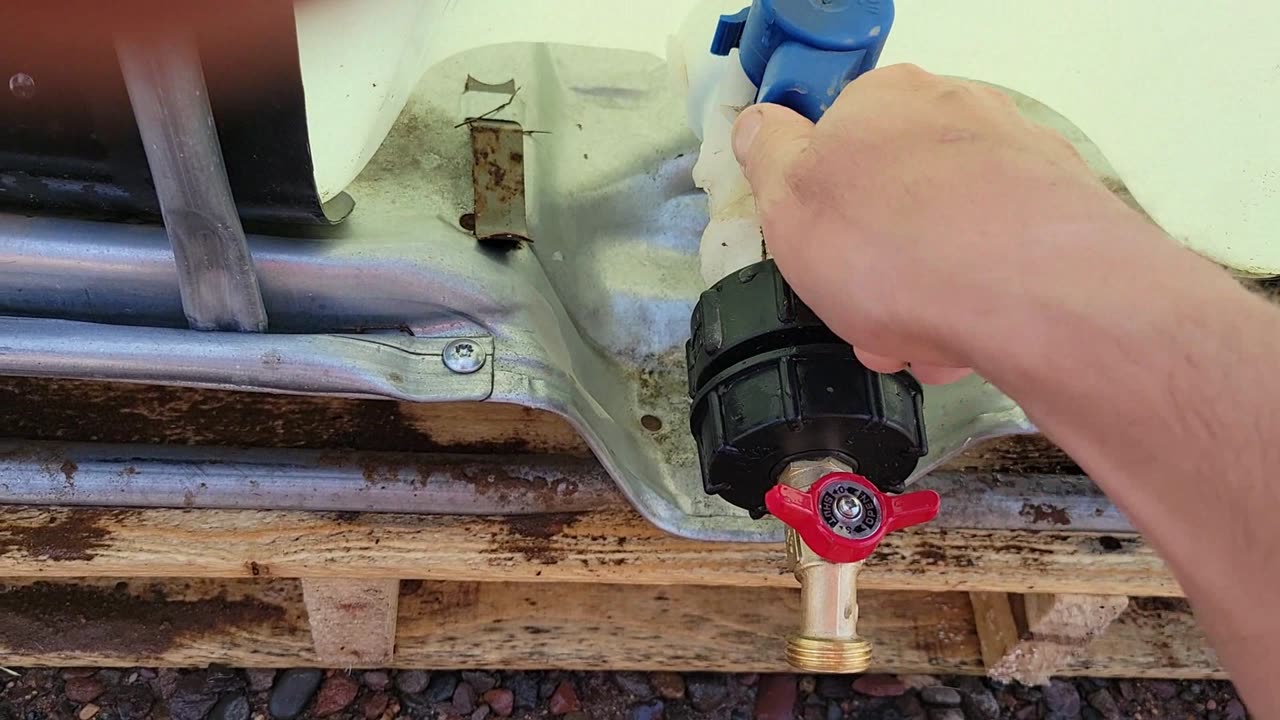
[
  {"x": 39, "y": 473},
  {"x": 170, "y": 102}
]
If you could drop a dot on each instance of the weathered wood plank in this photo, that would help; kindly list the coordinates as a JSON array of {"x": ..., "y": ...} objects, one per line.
[
  {"x": 353, "y": 622},
  {"x": 614, "y": 545},
  {"x": 262, "y": 623},
  {"x": 995, "y": 625}
]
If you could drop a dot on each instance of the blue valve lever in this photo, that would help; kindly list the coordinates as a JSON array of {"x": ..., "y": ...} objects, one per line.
[{"x": 801, "y": 53}]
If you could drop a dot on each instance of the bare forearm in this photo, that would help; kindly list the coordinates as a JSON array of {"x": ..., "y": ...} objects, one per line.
[{"x": 1164, "y": 388}]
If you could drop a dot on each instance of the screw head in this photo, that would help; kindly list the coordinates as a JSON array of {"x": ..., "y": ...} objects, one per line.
[
  {"x": 848, "y": 508},
  {"x": 464, "y": 356},
  {"x": 22, "y": 85}
]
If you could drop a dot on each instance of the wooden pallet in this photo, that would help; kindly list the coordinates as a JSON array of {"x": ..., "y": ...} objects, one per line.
[{"x": 601, "y": 589}]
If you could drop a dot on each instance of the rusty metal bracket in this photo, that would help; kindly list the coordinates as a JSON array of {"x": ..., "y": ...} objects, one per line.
[{"x": 497, "y": 175}]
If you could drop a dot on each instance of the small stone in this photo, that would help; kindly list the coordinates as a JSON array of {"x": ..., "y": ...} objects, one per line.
[
  {"x": 464, "y": 699},
  {"x": 915, "y": 682},
  {"x": 979, "y": 703},
  {"x": 147, "y": 673},
  {"x": 748, "y": 679},
  {"x": 292, "y": 691},
  {"x": 1211, "y": 704},
  {"x": 668, "y": 685},
  {"x": 110, "y": 676},
  {"x": 1062, "y": 699},
  {"x": 879, "y": 685},
  {"x": 376, "y": 680},
  {"x": 412, "y": 681},
  {"x": 776, "y": 697},
  {"x": 337, "y": 692},
  {"x": 372, "y": 706},
  {"x": 501, "y": 700},
  {"x": 1105, "y": 704},
  {"x": 1127, "y": 689},
  {"x": 1027, "y": 712},
  {"x": 834, "y": 687},
  {"x": 940, "y": 696},
  {"x": 946, "y": 714},
  {"x": 1088, "y": 713},
  {"x": 82, "y": 690},
  {"x": 807, "y": 685},
  {"x": 524, "y": 688},
  {"x": 647, "y": 710},
  {"x": 480, "y": 713},
  {"x": 547, "y": 687},
  {"x": 232, "y": 706},
  {"x": 131, "y": 678},
  {"x": 563, "y": 700},
  {"x": 88, "y": 711},
  {"x": 706, "y": 691},
  {"x": 910, "y": 707},
  {"x": 577, "y": 715},
  {"x": 195, "y": 693},
  {"x": 834, "y": 711},
  {"x": 1235, "y": 710},
  {"x": 482, "y": 682},
  {"x": 635, "y": 684},
  {"x": 1164, "y": 689},
  {"x": 441, "y": 687},
  {"x": 78, "y": 672},
  {"x": 814, "y": 712},
  {"x": 132, "y": 702},
  {"x": 260, "y": 679}
]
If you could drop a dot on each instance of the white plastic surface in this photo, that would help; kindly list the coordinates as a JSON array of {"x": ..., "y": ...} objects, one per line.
[{"x": 1182, "y": 98}]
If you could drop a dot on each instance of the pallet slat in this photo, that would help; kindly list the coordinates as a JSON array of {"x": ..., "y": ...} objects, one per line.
[
  {"x": 615, "y": 545},
  {"x": 263, "y": 623}
]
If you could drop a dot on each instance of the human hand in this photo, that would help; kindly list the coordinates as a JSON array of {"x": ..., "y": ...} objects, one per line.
[{"x": 919, "y": 210}]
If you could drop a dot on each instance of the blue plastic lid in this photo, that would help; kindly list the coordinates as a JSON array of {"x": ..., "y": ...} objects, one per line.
[{"x": 801, "y": 53}]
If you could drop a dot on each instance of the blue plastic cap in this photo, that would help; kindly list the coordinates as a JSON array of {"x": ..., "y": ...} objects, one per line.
[{"x": 801, "y": 53}]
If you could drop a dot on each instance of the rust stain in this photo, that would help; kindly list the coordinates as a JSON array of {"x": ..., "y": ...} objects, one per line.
[
  {"x": 498, "y": 181},
  {"x": 68, "y": 469},
  {"x": 70, "y": 410},
  {"x": 74, "y": 535},
  {"x": 1045, "y": 514},
  {"x": 534, "y": 537},
  {"x": 48, "y": 618}
]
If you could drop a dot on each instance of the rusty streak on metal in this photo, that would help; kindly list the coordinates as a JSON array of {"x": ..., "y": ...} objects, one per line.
[{"x": 498, "y": 179}]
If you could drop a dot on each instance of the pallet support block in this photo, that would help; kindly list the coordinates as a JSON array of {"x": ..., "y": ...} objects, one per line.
[
  {"x": 353, "y": 622},
  {"x": 1029, "y": 638}
]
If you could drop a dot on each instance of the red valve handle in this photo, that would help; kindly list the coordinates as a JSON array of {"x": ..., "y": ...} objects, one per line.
[{"x": 816, "y": 514}]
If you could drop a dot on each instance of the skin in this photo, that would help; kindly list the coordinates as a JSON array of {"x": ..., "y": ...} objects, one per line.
[{"x": 929, "y": 224}]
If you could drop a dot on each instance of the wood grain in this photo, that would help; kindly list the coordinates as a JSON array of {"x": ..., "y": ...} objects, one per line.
[
  {"x": 262, "y": 623},
  {"x": 614, "y": 545},
  {"x": 353, "y": 622}
]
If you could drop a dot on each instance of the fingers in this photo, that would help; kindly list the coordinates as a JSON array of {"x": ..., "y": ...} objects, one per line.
[
  {"x": 770, "y": 141},
  {"x": 927, "y": 374},
  {"x": 938, "y": 375}
]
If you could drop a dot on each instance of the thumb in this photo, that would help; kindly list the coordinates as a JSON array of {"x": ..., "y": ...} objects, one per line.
[{"x": 768, "y": 140}]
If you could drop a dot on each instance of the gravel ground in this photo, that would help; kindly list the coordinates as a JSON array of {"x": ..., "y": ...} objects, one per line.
[{"x": 303, "y": 694}]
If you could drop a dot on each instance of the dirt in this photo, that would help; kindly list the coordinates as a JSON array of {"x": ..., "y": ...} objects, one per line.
[
  {"x": 71, "y": 410},
  {"x": 534, "y": 537},
  {"x": 65, "y": 536},
  {"x": 48, "y": 619}
]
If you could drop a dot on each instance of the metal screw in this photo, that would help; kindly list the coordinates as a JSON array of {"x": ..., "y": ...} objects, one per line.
[
  {"x": 848, "y": 508},
  {"x": 464, "y": 356},
  {"x": 22, "y": 85}
]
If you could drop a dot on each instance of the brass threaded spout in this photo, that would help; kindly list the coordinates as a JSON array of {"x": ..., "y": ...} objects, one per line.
[{"x": 824, "y": 655}]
